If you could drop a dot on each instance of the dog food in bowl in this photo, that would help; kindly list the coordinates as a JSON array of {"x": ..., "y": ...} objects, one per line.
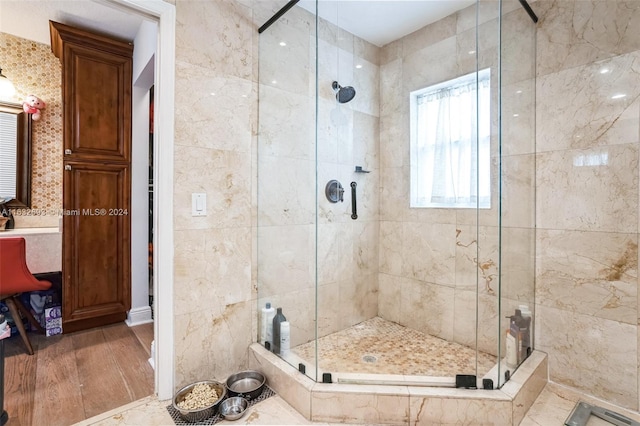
[{"x": 195, "y": 403}]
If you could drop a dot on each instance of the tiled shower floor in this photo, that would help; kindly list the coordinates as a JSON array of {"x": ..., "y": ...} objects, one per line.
[{"x": 378, "y": 346}]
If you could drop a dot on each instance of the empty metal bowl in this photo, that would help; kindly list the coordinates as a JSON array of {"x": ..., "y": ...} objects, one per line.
[
  {"x": 233, "y": 408},
  {"x": 247, "y": 384},
  {"x": 202, "y": 413}
]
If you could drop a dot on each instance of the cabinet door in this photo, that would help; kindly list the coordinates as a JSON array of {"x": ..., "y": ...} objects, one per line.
[
  {"x": 97, "y": 108},
  {"x": 96, "y": 87},
  {"x": 96, "y": 244}
]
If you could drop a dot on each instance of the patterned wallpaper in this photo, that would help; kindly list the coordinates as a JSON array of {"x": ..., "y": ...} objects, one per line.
[{"x": 34, "y": 70}]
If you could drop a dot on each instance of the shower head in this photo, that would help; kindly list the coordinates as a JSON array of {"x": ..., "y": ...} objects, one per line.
[{"x": 343, "y": 94}]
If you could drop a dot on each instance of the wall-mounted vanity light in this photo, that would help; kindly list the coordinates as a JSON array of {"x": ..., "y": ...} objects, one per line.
[{"x": 7, "y": 89}]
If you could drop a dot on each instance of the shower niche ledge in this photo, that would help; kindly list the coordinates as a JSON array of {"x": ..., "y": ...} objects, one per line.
[{"x": 409, "y": 404}]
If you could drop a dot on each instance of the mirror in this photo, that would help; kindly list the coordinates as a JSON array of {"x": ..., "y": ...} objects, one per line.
[{"x": 15, "y": 155}]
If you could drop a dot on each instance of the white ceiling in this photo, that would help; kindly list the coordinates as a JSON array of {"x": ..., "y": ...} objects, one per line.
[
  {"x": 383, "y": 21},
  {"x": 377, "y": 21},
  {"x": 29, "y": 19}
]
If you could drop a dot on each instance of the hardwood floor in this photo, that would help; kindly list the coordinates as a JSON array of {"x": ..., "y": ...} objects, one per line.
[{"x": 75, "y": 376}]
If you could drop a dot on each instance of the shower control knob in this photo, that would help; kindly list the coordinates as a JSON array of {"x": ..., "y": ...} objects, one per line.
[{"x": 334, "y": 191}]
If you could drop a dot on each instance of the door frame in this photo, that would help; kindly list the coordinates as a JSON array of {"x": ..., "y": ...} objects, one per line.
[{"x": 164, "y": 96}]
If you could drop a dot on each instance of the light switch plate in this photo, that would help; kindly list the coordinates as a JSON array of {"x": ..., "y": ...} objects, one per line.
[{"x": 198, "y": 204}]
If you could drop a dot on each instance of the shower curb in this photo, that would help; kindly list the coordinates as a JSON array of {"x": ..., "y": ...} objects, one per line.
[{"x": 403, "y": 404}]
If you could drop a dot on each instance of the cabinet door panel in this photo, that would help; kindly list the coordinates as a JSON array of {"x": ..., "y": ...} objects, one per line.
[
  {"x": 98, "y": 119},
  {"x": 96, "y": 241}
]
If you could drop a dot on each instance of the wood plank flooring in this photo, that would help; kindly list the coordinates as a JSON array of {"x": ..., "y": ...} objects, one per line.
[
  {"x": 75, "y": 376},
  {"x": 144, "y": 333}
]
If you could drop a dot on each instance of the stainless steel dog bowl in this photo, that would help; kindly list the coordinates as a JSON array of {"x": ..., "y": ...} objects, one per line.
[
  {"x": 247, "y": 384},
  {"x": 203, "y": 413},
  {"x": 233, "y": 408}
]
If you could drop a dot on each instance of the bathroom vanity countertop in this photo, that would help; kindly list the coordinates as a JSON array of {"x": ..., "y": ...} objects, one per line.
[{"x": 28, "y": 231}]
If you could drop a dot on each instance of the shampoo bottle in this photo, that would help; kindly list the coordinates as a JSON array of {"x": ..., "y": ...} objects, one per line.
[
  {"x": 277, "y": 321},
  {"x": 266, "y": 324},
  {"x": 285, "y": 338}
]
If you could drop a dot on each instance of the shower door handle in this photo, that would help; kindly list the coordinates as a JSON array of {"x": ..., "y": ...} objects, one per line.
[{"x": 354, "y": 209}]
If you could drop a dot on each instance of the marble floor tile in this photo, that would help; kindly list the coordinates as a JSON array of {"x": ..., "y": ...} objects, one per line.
[
  {"x": 146, "y": 411},
  {"x": 555, "y": 403},
  {"x": 272, "y": 411},
  {"x": 151, "y": 411},
  {"x": 552, "y": 407}
]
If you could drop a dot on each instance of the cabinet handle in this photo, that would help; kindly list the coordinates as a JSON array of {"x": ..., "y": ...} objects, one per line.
[
  {"x": 67, "y": 167},
  {"x": 67, "y": 152}
]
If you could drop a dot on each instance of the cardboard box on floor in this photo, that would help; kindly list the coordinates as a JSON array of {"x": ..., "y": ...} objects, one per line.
[{"x": 53, "y": 320}]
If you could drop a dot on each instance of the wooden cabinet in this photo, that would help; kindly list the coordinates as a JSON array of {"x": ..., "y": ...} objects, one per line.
[{"x": 96, "y": 88}]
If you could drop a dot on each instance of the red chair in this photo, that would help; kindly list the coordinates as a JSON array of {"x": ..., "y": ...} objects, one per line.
[{"x": 15, "y": 278}]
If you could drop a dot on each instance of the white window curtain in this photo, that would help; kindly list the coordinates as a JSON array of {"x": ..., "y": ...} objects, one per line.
[{"x": 451, "y": 146}]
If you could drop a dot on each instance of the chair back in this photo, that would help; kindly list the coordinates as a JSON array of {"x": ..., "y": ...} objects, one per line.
[{"x": 15, "y": 276}]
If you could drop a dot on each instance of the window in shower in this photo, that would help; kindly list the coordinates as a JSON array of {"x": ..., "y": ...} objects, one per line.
[{"x": 450, "y": 143}]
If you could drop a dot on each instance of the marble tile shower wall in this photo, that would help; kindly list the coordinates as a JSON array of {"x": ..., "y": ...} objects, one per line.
[
  {"x": 286, "y": 171},
  {"x": 428, "y": 257},
  {"x": 587, "y": 194},
  {"x": 347, "y": 256}
]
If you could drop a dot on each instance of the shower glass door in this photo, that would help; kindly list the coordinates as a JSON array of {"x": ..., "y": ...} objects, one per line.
[
  {"x": 286, "y": 179},
  {"x": 517, "y": 194}
]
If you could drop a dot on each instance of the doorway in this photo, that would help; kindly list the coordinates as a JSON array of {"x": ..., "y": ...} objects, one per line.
[{"x": 164, "y": 60}]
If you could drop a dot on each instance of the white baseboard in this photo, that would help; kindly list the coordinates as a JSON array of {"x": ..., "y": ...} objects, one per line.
[{"x": 137, "y": 316}]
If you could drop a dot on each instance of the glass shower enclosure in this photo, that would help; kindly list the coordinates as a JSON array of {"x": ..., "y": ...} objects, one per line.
[{"x": 396, "y": 191}]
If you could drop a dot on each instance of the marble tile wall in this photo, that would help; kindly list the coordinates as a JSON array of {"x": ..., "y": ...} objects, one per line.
[
  {"x": 587, "y": 195},
  {"x": 348, "y": 136},
  {"x": 215, "y": 123},
  {"x": 438, "y": 253},
  {"x": 346, "y": 251}
]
